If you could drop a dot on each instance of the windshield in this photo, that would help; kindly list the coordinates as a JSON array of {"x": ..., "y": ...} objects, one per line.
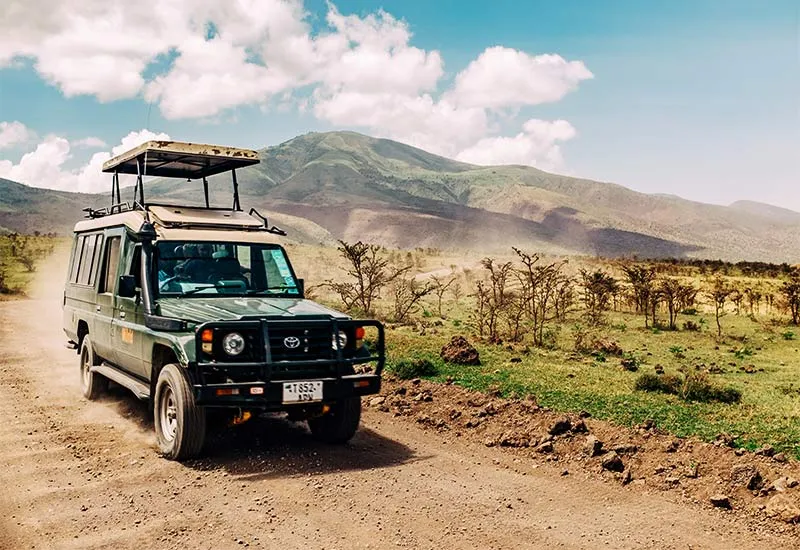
[{"x": 188, "y": 268}]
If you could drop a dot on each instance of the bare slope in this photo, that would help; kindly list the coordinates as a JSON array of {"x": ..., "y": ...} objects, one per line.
[{"x": 347, "y": 185}]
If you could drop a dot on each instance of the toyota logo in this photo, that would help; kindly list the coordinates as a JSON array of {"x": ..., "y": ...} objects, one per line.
[{"x": 291, "y": 342}]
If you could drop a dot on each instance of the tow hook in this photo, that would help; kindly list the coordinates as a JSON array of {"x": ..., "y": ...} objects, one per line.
[{"x": 241, "y": 418}]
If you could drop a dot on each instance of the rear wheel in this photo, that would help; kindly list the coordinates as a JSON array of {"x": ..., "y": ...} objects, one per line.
[
  {"x": 93, "y": 385},
  {"x": 179, "y": 423},
  {"x": 339, "y": 424}
]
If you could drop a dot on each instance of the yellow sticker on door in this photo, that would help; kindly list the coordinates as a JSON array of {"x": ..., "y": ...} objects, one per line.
[{"x": 127, "y": 335}]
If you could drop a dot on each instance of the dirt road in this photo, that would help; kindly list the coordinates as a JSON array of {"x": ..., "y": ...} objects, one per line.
[{"x": 80, "y": 475}]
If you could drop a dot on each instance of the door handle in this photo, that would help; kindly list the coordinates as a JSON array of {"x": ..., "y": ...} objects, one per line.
[
  {"x": 97, "y": 308},
  {"x": 121, "y": 314}
]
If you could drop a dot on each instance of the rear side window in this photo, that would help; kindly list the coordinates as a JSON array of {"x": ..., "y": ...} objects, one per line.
[
  {"x": 110, "y": 265},
  {"x": 76, "y": 259},
  {"x": 85, "y": 268},
  {"x": 86, "y": 260}
]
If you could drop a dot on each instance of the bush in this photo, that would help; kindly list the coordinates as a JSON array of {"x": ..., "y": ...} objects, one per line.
[
  {"x": 698, "y": 387},
  {"x": 691, "y": 326},
  {"x": 788, "y": 335},
  {"x": 648, "y": 382},
  {"x": 678, "y": 352},
  {"x": 630, "y": 362},
  {"x": 692, "y": 387},
  {"x": 413, "y": 368}
]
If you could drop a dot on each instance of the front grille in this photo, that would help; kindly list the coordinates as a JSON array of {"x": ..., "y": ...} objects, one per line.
[{"x": 310, "y": 343}]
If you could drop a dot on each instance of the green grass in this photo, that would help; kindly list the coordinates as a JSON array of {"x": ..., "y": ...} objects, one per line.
[
  {"x": 14, "y": 276},
  {"x": 769, "y": 411}
]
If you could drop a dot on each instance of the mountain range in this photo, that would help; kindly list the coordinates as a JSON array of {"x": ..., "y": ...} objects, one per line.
[{"x": 326, "y": 186}]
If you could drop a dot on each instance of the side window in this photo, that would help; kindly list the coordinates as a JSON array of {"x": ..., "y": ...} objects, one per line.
[
  {"x": 110, "y": 265},
  {"x": 85, "y": 269},
  {"x": 76, "y": 259},
  {"x": 98, "y": 248}
]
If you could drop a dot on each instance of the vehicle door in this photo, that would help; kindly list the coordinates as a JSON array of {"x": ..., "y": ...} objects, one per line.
[
  {"x": 104, "y": 302},
  {"x": 128, "y": 323}
]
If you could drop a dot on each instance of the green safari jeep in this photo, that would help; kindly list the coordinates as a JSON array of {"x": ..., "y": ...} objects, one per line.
[{"x": 199, "y": 310}]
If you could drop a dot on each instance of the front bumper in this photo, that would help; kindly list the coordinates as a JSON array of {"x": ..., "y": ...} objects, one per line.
[
  {"x": 259, "y": 383},
  {"x": 269, "y": 395}
]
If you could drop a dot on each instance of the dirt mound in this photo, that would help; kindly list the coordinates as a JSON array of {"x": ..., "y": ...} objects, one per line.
[
  {"x": 641, "y": 457},
  {"x": 460, "y": 351}
]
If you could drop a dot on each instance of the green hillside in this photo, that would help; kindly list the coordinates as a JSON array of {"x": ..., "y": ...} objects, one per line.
[{"x": 347, "y": 185}]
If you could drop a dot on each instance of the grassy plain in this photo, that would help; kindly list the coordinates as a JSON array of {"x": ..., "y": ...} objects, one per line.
[{"x": 758, "y": 353}]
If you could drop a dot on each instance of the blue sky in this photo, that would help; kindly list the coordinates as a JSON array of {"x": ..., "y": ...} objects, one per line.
[{"x": 700, "y": 99}]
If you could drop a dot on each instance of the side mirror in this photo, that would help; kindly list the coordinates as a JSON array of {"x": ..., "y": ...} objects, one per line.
[
  {"x": 127, "y": 286},
  {"x": 301, "y": 287}
]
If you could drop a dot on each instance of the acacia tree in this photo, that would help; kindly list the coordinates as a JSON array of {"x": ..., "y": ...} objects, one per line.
[
  {"x": 545, "y": 292},
  {"x": 676, "y": 296},
  {"x": 791, "y": 294},
  {"x": 642, "y": 281},
  {"x": 407, "y": 294},
  {"x": 440, "y": 286},
  {"x": 492, "y": 298},
  {"x": 598, "y": 288},
  {"x": 370, "y": 272},
  {"x": 718, "y": 292}
]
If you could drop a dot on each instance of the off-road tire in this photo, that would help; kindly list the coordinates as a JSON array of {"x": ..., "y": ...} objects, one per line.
[
  {"x": 93, "y": 385},
  {"x": 179, "y": 423},
  {"x": 340, "y": 424}
]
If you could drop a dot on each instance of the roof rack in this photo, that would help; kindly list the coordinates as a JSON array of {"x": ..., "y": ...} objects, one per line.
[{"x": 176, "y": 159}]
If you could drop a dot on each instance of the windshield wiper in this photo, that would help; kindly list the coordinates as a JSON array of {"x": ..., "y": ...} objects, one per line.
[
  {"x": 198, "y": 289},
  {"x": 269, "y": 290}
]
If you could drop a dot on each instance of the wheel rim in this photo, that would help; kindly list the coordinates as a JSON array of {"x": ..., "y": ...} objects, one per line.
[
  {"x": 85, "y": 366},
  {"x": 168, "y": 413}
]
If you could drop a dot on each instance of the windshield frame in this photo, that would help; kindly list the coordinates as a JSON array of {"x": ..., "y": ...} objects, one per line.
[{"x": 291, "y": 292}]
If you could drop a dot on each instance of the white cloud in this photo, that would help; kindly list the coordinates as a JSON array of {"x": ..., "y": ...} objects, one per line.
[
  {"x": 14, "y": 133},
  {"x": 90, "y": 143},
  {"x": 503, "y": 77},
  {"x": 537, "y": 145},
  {"x": 45, "y": 165},
  {"x": 351, "y": 70}
]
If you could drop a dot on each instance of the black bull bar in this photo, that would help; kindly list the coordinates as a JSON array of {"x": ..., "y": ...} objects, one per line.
[{"x": 258, "y": 380}]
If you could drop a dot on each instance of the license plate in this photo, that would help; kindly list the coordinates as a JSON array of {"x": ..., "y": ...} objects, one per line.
[{"x": 302, "y": 392}]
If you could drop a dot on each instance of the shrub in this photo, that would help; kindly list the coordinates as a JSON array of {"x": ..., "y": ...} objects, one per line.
[
  {"x": 630, "y": 362},
  {"x": 413, "y": 368},
  {"x": 691, "y": 326},
  {"x": 648, "y": 382},
  {"x": 692, "y": 387},
  {"x": 677, "y": 351},
  {"x": 788, "y": 335},
  {"x": 699, "y": 387}
]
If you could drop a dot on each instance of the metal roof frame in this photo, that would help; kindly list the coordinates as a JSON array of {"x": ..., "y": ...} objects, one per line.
[{"x": 177, "y": 159}]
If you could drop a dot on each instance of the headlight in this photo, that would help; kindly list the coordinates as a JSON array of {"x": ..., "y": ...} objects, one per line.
[
  {"x": 342, "y": 337},
  {"x": 233, "y": 343}
]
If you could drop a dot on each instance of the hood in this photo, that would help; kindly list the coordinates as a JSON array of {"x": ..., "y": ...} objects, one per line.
[{"x": 201, "y": 310}]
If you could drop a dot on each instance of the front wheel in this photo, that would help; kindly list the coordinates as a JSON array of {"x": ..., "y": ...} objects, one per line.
[
  {"x": 339, "y": 424},
  {"x": 93, "y": 385},
  {"x": 179, "y": 423}
]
